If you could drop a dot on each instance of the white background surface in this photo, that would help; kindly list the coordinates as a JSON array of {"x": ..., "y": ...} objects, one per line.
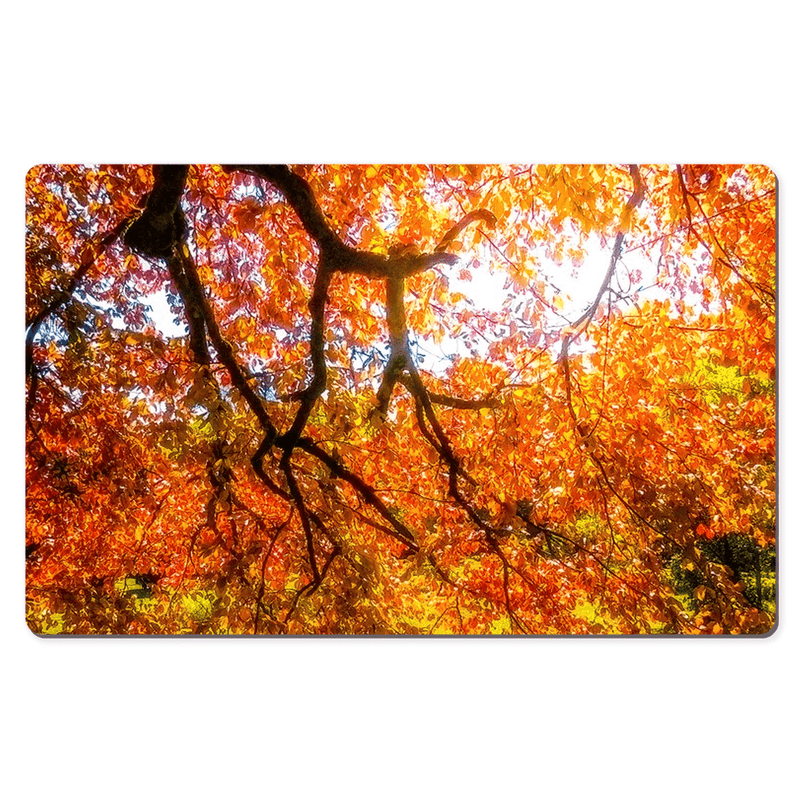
[{"x": 362, "y": 82}]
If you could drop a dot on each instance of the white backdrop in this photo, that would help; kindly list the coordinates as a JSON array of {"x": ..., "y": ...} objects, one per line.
[{"x": 358, "y": 82}]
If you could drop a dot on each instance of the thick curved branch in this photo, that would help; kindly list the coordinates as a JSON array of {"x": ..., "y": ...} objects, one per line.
[
  {"x": 300, "y": 197},
  {"x": 482, "y": 214},
  {"x": 339, "y": 257}
]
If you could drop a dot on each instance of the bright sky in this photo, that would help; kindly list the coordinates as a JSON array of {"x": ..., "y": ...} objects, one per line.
[{"x": 161, "y": 316}]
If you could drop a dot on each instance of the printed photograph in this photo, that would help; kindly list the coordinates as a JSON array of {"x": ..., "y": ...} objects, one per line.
[{"x": 381, "y": 400}]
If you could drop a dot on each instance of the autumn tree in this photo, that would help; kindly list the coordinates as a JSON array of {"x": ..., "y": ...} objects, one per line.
[{"x": 400, "y": 399}]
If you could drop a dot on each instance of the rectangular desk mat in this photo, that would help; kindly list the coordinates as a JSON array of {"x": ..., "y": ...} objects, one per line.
[{"x": 400, "y": 399}]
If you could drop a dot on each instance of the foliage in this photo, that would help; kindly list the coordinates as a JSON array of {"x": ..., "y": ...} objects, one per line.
[
  {"x": 398, "y": 399},
  {"x": 748, "y": 564}
]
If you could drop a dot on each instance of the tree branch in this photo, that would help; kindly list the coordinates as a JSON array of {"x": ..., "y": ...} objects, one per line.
[
  {"x": 161, "y": 224},
  {"x": 452, "y": 402},
  {"x": 88, "y": 258},
  {"x": 367, "y": 492}
]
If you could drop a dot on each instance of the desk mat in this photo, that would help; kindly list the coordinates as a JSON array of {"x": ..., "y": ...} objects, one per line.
[{"x": 400, "y": 399}]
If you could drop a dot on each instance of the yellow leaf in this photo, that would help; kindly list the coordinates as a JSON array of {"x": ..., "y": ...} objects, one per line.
[
  {"x": 497, "y": 206},
  {"x": 700, "y": 593}
]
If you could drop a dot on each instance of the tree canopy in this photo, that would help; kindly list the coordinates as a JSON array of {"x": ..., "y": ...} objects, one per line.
[{"x": 400, "y": 399}]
